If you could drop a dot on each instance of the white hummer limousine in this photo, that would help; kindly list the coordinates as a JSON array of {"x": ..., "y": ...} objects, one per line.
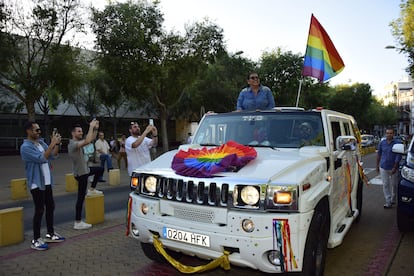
[{"x": 297, "y": 193}]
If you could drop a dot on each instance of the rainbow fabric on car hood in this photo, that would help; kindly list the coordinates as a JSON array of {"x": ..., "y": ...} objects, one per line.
[{"x": 206, "y": 162}]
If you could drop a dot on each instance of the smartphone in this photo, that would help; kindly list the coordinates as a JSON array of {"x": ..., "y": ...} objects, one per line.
[
  {"x": 55, "y": 131},
  {"x": 151, "y": 122}
]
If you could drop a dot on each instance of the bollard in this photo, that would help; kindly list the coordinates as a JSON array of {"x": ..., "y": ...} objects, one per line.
[
  {"x": 11, "y": 226},
  {"x": 19, "y": 188},
  {"x": 71, "y": 183},
  {"x": 94, "y": 209},
  {"x": 114, "y": 177}
]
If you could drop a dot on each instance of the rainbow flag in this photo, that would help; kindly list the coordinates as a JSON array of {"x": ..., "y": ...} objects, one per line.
[{"x": 322, "y": 61}]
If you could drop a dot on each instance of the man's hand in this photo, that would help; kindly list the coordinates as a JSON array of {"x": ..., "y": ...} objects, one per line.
[
  {"x": 147, "y": 130},
  {"x": 154, "y": 131},
  {"x": 94, "y": 124},
  {"x": 56, "y": 139}
]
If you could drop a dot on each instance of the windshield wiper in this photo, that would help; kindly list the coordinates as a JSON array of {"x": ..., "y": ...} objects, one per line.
[
  {"x": 209, "y": 144},
  {"x": 263, "y": 146}
]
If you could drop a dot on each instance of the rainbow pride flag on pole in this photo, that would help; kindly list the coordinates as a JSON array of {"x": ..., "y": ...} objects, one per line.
[{"x": 322, "y": 61}]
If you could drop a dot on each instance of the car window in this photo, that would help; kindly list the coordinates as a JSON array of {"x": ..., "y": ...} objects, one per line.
[{"x": 282, "y": 129}]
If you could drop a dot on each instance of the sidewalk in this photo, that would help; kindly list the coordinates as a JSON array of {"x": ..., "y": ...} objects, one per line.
[
  {"x": 12, "y": 167},
  {"x": 81, "y": 247}
]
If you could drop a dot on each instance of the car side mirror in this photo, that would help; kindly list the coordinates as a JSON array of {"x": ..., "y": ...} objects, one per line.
[
  {"x": 346, "y": 143},
  {"x": 399, "y": 148}
]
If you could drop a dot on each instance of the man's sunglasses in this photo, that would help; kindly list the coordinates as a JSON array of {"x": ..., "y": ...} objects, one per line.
[{"x": 254, "y": 78}]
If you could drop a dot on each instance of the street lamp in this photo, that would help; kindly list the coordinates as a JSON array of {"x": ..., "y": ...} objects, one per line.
[
  {"x": 401, "y": 50},
  {"x": 396, "y": 94}
]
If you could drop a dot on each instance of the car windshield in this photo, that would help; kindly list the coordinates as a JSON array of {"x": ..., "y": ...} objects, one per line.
[{"x": 262, "y": 129}]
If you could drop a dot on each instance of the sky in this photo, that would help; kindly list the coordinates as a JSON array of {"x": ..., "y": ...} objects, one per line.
[{"x": 359, "y": 30}]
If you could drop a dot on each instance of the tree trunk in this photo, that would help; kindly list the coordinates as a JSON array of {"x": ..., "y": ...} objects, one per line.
[
  {"x": 163, "y": 121},
  {"x": 47, "y": 134},
  {"x": 31, "y": 113}
]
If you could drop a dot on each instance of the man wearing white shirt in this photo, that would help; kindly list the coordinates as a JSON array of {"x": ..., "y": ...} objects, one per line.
[{"x": 137, "y": 146}]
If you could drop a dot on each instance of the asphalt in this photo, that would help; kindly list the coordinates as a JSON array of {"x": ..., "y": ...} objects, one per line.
[{"x": 69, "y": 257}]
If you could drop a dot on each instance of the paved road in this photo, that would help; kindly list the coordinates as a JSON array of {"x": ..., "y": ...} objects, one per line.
[{"x": 373, "y": 247}]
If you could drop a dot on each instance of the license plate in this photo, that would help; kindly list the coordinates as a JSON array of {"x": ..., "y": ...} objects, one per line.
[{"x": 187, "y": 237}]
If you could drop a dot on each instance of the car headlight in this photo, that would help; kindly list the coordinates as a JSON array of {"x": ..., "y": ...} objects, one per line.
[
  {"x": 407, "y": 173},
  {"x": 282, "y": 197},
  {"x": 150, "y": 184},
  {"x": 246, "y": 196},
  {"x": 249, "y": 195}
]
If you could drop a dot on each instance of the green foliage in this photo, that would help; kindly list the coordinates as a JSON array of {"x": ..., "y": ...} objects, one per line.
[
  {"x": 353, "y": 99},
  {"x": 31, "y": 52},
  {"x": 145, "y": 62},
  {"x": 403, "y": 31},
  {"x": 314, "y": 94},
  {"x": 281, "y": 72},
  {"x": 128, "y": 37},
  {"x": 380, "y": 115},
  {"x": 217, "y": 86}
]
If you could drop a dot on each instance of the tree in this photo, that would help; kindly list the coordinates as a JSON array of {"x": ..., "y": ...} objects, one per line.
[
  {"x": 182, "y": 59},
  {"x": 216, "y": 87},
  {"x": 281, "y": 71},
  {"x": 148, "y": 63},
  {"x": 114, "y": 104},
  {"x": 380, "y": 115},
  {"x": 403, "y": 30},
  {"x": 353, "y": 99},
  {"x": 34, "y": 54}
]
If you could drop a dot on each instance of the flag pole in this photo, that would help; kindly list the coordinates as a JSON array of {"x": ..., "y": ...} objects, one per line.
[{"x": 300, "y": 87}]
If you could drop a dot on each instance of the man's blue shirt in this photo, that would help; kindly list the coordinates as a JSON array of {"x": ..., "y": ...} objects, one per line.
[
  {"x": 33, "y": 159},
  {"x": 263, "y": 100},
  {"x": 388, "y": 158}
]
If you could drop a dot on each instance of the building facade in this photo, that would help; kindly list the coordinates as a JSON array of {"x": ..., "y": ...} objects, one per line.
[{"x": 401, "y": 94}]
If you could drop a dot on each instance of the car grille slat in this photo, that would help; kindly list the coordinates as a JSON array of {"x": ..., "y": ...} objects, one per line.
[{"x": 200, "y": 193}]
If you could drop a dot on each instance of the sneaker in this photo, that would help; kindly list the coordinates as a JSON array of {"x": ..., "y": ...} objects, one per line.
[
  {"x": 101, "y": 180},
  {"x": 387, "y": 205},
  {"x": 81, "y": 225},
  {"x": 39, "y": 244},
  {"x": 55, "y": 237},
  {"x": 94, "y": 192}
]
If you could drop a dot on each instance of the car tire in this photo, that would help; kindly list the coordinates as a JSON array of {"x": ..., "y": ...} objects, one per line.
[
  {"x": 316, "y": 241},
  {"x": 152, "y": 253}
]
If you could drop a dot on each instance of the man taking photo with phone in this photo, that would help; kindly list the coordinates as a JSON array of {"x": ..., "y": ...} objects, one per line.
[{"x": 137, "y": 146}]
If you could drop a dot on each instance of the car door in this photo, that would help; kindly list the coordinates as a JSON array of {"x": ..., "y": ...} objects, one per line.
[{"x": 344, "y": 170}]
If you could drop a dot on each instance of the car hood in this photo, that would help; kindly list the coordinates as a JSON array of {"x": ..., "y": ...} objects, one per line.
[{"x": 270, "y": 165}]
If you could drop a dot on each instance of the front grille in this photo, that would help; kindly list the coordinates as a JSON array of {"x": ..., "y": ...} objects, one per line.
[
  {"x": 200, "y": 193},
  {"x": 206, "y": 216}
]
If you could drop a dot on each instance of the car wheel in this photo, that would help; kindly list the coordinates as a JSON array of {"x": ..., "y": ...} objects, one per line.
[
  {"x": 316, "y": 241},
  {"x": 359, "y": 200},
  {"x": 152, "y": 253}
]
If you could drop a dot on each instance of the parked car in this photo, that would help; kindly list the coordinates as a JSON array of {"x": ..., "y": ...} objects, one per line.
[
  {"x": 367, "y": 140},
  {"x": 405, "y": 194}
]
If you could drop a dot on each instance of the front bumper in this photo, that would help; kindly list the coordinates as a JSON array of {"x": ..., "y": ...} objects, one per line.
[{"x": 224, "y": 229}]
